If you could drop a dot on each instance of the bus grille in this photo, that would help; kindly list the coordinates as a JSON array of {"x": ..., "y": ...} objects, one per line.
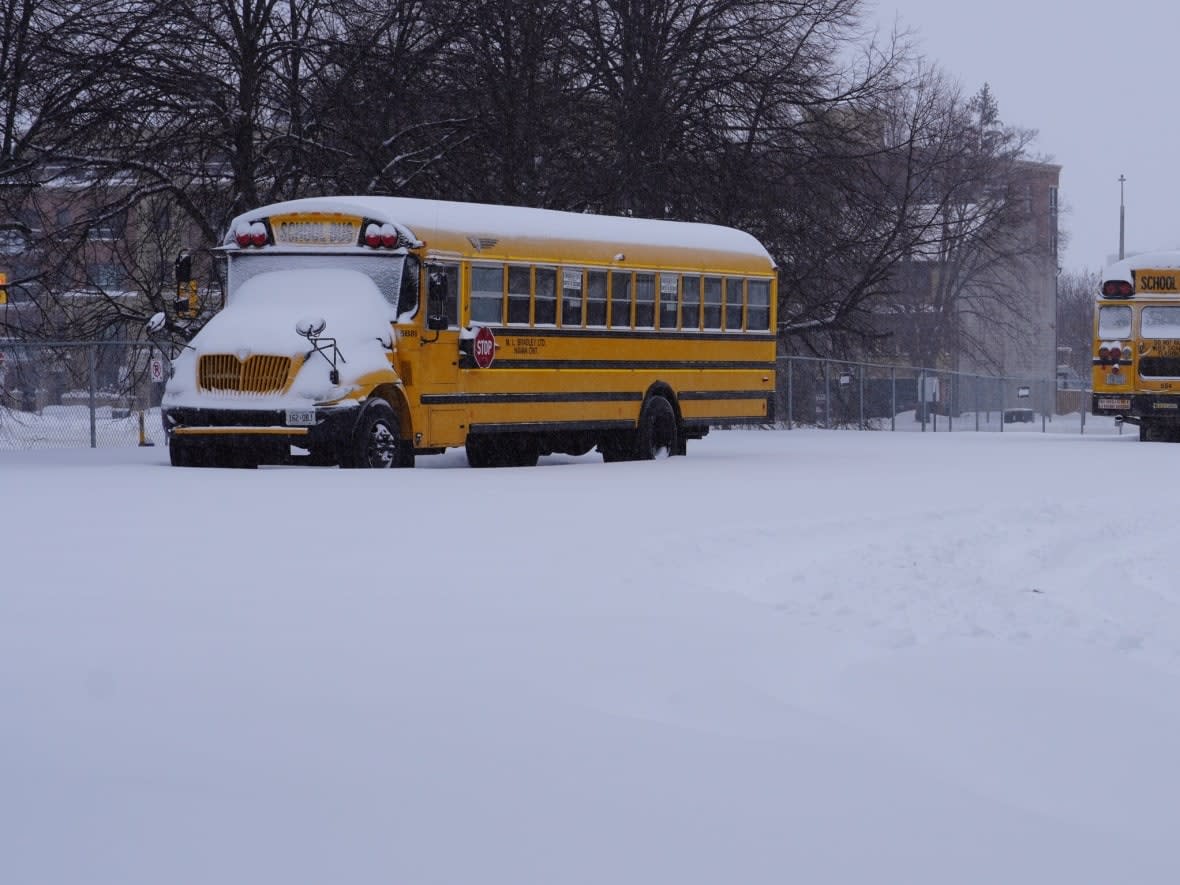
[{"x": 255, "y": 374}]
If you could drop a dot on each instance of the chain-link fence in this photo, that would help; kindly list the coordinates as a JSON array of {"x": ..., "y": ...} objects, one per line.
[
  {"x": 817, "y": 392},
  {"x": 76, "y": 394},
  {"x": 62, "y": 395}
]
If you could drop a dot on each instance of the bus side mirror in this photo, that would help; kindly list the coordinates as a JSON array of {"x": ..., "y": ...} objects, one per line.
[{"x": 437, "y": 322}]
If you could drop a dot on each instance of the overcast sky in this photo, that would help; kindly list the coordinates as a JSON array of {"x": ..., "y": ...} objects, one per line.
[{"x": 1100, "y": 87}]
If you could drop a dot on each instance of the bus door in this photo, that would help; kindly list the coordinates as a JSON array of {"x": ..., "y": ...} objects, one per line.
[{"x": 438, "y": 355}]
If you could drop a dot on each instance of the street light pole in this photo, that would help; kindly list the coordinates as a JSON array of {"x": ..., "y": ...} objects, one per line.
[{"x": 1122, "y": 218}]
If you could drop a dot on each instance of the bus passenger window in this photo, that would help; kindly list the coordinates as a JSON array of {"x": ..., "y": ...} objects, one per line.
[
  {"x": 668, "y": 306},
  {"x": 690, "y": 317},
  {"x": 545, "y": 305},
  {"x": 407, "y": 297},
  {"x": 733, "y": 304},
  {"x": 620, "y": 300},
  {"x": 571, "y": 298},
  {"x": 596, "y": 298},
  {"x": 487, "y": 294},
  {"x": 442, "y": 294},
  {"x": 645, "y": 300},
  {"x": 758, "y": 305},
  {"x": 712, "y": 303},
  {"x": 518, "y": 295}
]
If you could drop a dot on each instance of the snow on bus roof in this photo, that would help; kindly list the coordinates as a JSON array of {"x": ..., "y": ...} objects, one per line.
[
  {"x": 1121, "y": 270},
  {"x": 480, "y": 219}
]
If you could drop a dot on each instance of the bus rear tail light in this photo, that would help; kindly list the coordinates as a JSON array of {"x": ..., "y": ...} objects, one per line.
[
  {"x": 1116, "y": 353},
  {"x": 1104, "y": 354},
  {"x": 1117, "y": 289}
]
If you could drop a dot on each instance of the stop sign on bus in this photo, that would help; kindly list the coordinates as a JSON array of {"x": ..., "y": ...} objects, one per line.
[{"x": 485, "y": 347}]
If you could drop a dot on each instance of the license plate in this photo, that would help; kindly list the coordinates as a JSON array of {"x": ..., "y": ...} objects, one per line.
[
  {"x": 1116, "y": 379},
  {"x": 300, "y": 417},
  {"x": 1114, "y": 404}
]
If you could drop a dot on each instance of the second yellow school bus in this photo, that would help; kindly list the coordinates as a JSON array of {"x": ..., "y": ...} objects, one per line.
[
  {"x": 363, "y": 331},
  {"x": 1136, "y": 356}
]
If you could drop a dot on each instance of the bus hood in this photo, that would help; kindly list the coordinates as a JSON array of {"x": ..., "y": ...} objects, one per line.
[{"x": 261, "y": 320}]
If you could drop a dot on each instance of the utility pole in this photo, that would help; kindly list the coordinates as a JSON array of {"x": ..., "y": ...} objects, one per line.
[{"x": 1122, "y": 218}]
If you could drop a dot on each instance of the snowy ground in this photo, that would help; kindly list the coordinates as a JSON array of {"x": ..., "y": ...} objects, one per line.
[{"x": 805, "y": 656}]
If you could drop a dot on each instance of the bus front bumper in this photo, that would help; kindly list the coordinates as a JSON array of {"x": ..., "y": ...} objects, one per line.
[{"x": 332, "y": 425}]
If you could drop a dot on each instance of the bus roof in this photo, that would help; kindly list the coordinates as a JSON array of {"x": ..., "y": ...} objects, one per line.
[
  {"x": 478, "y": 230},
  {"x": 1121, "y": 270}
]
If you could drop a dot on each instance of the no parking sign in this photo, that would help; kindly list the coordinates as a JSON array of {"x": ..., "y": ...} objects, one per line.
[{"x": 156, "y": 369}]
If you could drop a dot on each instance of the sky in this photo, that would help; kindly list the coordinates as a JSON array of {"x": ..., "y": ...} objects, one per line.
[
  {"x": 791, "y": 656},
  {"x": 1100, "y": 87}
]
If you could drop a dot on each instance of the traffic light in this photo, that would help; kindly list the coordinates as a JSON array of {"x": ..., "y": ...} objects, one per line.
[
  {"x": 3, "y": 288},
  {"x": 186, "y": 305}
]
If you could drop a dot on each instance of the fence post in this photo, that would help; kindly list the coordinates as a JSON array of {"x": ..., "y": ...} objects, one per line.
[
  {"x": 790, "y": 393},
  {"x": 92, "y": 360},
  {"x": 827, "y": 395},
  {"x": 893, "y": 397},
  {"x": 861, "y": 375}
]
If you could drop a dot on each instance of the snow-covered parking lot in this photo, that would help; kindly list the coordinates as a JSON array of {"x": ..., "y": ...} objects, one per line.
[{"x": 796, "y": 656}]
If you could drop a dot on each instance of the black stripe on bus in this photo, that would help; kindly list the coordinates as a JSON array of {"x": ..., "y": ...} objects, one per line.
[
  {"x": 432, "y": 399},
  {"x": 509, "y": 363},
  {"x": 722, "y": 394},
  {"x": 552, "y": 426},
  {"x": 735, "y": 336}
]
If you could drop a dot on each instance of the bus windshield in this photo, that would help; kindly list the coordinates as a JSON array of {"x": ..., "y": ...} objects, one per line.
[{"x": 384, "y": 270}]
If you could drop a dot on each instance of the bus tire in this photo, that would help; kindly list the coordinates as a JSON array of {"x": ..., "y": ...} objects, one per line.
[
  {"x": 182, "y": 453},
  {"x": 375, "y": 443},
  {"x": 658, "y": 435},
  {"x": 502, "y": 450}
]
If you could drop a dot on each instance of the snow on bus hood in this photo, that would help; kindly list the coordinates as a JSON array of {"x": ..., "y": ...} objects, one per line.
[{"x": 261, "y": 318}]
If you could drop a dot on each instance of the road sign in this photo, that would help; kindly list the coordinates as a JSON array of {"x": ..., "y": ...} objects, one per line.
[
  {"x": 484, "y": 347},
  {"x": 156, "y": 369}
]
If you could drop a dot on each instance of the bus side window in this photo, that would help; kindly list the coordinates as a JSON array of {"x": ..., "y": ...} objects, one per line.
[
  {"x": 407, "y": 296},
  {"x": 596, "y": 298},
  {"x": 712, "y": 303},
  {"x": 442, "y": 297},
  {"x": 758, "y": 310},
  {"x": 487, "y": 294},
  {"x": 691, "y": 312},
  {"x": 733, "y": 304},
  {"x": 620, "y": 300},
  {"x": 668, "y": 306},
  {"x": 518, "y": 295}
]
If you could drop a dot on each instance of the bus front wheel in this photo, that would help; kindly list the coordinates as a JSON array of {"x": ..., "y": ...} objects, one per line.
[{"x": 375, "y": 442}]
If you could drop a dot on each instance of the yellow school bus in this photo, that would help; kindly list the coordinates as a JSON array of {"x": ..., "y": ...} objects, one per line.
[
  {"x": 364, "y": 331},
  {"x": 1136, "y": 358}
]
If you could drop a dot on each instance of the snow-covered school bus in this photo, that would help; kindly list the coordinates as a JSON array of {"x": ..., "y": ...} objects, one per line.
[
  {"x": 363, "y": 331},
  {"x": 1136, "y": 358}
]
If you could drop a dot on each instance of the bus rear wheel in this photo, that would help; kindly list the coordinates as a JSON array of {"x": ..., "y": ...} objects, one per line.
[{"x": 657, "y": 436}]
